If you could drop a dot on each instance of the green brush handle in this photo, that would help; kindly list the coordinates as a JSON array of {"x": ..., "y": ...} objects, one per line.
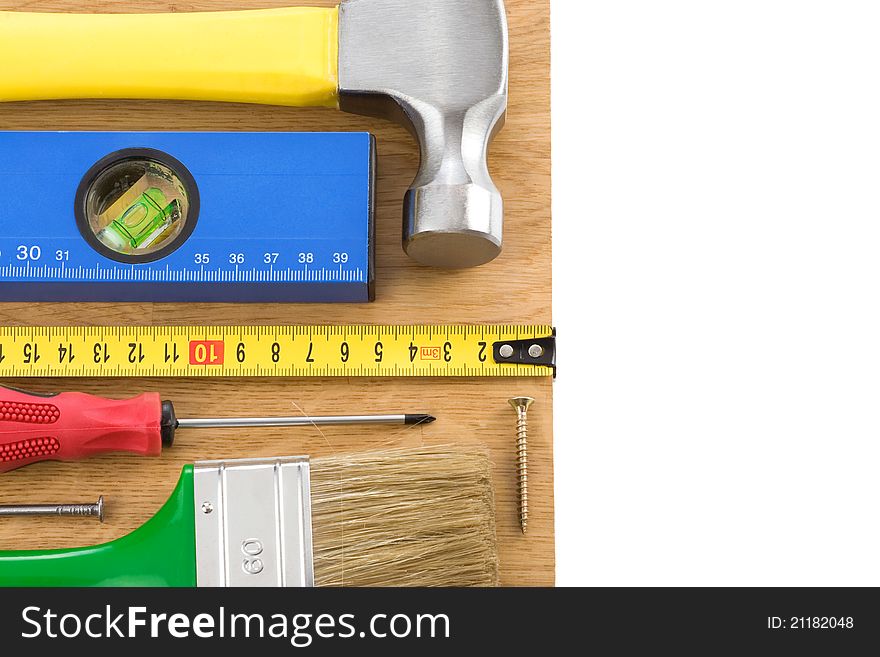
[{"x": 161, "y": 552}]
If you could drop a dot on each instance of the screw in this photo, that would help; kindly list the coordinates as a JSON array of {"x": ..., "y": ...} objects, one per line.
[
  {"x": 521, "y": 406},
  {"x": 95, "y": 510},
  {"x": 207, "y": 507}
]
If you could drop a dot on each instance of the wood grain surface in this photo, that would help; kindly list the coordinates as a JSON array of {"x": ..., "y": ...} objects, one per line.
[{"x": 515, "y": 288}]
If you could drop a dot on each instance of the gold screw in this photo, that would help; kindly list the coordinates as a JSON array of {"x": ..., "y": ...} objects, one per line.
[{"x": 521, "y": 406}]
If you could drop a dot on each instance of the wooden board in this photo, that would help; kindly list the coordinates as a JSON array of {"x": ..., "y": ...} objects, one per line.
[{"x": 515, "y": 288}]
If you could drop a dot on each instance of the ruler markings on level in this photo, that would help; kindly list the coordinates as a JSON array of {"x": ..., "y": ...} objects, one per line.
[{"x": 197, "y": 275}]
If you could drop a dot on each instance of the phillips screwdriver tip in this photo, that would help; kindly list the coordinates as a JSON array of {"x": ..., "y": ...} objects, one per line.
[{"x": 418, "y": 418}]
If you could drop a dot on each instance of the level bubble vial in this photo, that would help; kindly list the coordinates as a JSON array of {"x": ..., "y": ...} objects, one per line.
[{"x": 136, "y": 205}]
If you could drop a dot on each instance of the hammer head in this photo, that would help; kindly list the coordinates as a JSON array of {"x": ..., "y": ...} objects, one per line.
[{"x": 439, "y": 67}]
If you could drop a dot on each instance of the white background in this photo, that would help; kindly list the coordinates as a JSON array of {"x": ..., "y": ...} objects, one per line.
[{"x": 716, "y": 271}]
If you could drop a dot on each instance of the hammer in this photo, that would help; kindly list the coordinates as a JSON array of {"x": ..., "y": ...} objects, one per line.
[{"x": 439, "y": 67}]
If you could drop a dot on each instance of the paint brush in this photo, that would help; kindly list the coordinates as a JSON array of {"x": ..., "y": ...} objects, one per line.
[{"x": 421, "y": 516}]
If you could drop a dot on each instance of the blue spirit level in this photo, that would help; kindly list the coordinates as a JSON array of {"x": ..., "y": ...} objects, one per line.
[{"x": 156, "y": 216}]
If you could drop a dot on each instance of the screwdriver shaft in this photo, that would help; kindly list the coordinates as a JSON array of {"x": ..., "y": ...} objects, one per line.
[{"x": 221, "y": 422}]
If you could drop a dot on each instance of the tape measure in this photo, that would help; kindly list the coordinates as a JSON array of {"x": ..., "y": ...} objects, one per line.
[
  {"x": 177, "y": 216},
  {"x": 278, "y": 351}
]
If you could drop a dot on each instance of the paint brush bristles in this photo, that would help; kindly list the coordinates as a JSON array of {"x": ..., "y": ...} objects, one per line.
[{"x": 420, "y": 516}]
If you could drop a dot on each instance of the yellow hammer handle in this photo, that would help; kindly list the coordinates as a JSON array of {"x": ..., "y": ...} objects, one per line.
[{"x": 271, "y": 56}]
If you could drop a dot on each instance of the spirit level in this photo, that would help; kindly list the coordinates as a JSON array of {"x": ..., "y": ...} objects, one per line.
[
  {"x": 294, "y": 351},
  {"x": 154, "y": 216}
]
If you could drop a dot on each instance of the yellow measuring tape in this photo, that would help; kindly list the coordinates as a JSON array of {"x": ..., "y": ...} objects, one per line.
[{"x": 295, "y": 351}]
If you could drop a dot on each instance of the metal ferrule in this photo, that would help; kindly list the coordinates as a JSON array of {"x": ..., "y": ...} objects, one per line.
[{"x": 253, "y": 522}]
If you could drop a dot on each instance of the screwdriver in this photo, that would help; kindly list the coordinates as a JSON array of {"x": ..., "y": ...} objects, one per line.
[{"x": 73, "y": 425}]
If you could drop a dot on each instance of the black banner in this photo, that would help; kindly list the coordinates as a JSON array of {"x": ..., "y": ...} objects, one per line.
[{"x": 428, "y": 622}]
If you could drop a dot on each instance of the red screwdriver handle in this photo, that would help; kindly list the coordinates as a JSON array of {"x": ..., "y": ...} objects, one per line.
[{"x": 73, "y": 425}]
